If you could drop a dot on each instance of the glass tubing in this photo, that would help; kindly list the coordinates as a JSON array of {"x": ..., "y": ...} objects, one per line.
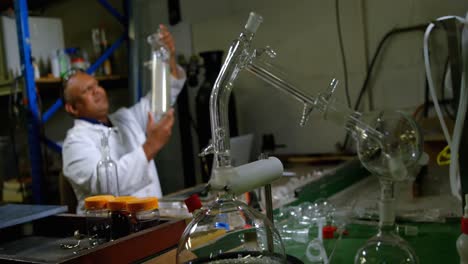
[{"x": 241, "y": 56}]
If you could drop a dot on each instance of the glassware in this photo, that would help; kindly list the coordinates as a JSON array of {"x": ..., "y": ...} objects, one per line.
[
  {"x": 386, "y": 246},
  {"x": 107, "y": 176},
  {"x": 144, "y": 213},
  {"x": 119, "y": 215},
  {"x": 391, "y": 158},
  {"x": 98, "y": 221},
  {"x": 219, "y": 100},
  {"x": 160, "y": 76},
  {"x": 229, "y": 231},
  {"x": 388, "y": 144}
]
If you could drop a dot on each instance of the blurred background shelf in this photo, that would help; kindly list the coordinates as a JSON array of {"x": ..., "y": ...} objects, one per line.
[
  {"x": 108, "y": 82},
  {"x": 48, "y": 80},
  {"x": 5, "y": 87}
]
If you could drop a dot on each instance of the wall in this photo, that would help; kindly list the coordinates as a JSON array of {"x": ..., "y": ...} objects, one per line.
[{"x": 304, "y": 34}]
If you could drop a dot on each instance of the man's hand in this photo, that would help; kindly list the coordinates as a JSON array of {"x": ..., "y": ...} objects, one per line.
[
  {"x": 158, "y": 134},
  {"x": 168, "y": 41}
]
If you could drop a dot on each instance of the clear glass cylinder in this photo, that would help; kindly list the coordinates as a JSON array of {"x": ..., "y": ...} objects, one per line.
[
  {"x": 160, "y": 77},
  {"x": 229, "y": 231},
  {"x": 98, "y": 221},
  {"x": 144, "y": 213}
]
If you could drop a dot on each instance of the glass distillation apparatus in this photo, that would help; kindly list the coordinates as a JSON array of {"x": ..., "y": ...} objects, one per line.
[
  {"x": 229, "y": 231},
  {"x": 107, "y": 176},
  {"x": 388, "y": 143},
  {"x": 160, "y": 76}
]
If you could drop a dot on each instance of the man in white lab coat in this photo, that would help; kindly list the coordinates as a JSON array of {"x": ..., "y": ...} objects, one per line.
[{"x": 137, "y": 140}]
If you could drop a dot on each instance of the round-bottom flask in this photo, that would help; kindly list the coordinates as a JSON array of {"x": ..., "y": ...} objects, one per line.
[
  {"x": 229, "y": 231},
  {"x": 386, "y": 247}
]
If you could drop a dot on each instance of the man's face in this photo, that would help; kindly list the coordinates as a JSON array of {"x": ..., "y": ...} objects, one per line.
[{"x": 86, "y": 97}]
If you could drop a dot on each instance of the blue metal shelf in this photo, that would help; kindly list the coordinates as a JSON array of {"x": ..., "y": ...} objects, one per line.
[{"x": 35, "y": 118}]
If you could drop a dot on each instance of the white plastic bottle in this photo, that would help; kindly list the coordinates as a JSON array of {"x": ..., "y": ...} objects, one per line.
[
  {"x": 462, "y": 241},
  {"x": 55, "y": 64}
]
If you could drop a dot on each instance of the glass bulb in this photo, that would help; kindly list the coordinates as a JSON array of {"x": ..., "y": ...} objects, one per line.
[
  {"x": 386, "y": 247},
  {"x": 229, "y": 231},
  {"x": 398, "y": 148}
]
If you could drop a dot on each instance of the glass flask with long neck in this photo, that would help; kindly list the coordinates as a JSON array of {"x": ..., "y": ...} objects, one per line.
[
  {"x": 228, "y": 230},
  {"x": 386, "y": 246},
  {"x": 160, "y": 76},
  {"x": 107, "y": 176}
]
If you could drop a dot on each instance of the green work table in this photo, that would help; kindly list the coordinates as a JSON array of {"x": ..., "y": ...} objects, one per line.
[{"x": 434, "y": 243}]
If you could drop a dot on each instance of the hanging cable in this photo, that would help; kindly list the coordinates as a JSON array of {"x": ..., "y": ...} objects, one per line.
[
  {"x": 343, "y": 55},
  {"x": 454, "y": 142},
  {"x": 446, "y": 106},
  {"x": 365, "y": 84}
]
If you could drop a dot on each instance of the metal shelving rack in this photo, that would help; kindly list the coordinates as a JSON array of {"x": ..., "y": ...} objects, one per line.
[{"x": 35, "y": 118}]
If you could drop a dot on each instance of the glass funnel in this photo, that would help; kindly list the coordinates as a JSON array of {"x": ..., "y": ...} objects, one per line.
[{"x": 229, "y": 231}]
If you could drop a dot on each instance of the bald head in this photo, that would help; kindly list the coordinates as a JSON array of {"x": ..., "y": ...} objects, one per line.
[{"x": 83, "y": 97}]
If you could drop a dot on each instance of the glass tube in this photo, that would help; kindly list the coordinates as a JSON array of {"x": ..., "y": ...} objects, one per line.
[
  {"x": 160, "y": 77},
  {"x": 235, "y": 60}
]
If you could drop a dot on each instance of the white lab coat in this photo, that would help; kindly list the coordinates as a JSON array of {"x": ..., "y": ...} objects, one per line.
[{"x": 81, "y": 152}]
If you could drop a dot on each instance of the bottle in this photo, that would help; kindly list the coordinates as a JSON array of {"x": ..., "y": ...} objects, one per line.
[
  {"x": 98, "y": 222},
  {"x": 37, "y": 73},
  {"x": 55, "y": 64},
  {"x": 160, "y": 76},
  {"x": 144, "y": 213},
  {"x": 119, "y": 215},
  {"x": 462, "y": 241},
  {"x": 107, "y": 65},
  {"x": 107, "y": 176},
  {"x": 64, "y": 62},
  {"x": 96, "y": 38},
  {"x": 78, "y": 63}
]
